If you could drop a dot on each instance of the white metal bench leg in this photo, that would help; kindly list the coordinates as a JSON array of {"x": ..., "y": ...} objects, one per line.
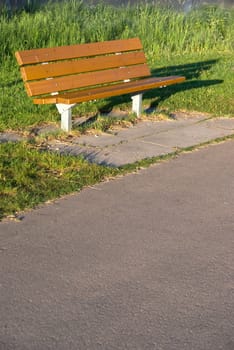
[
  {"x": 66, "y": 115},
  {"x": 137, "y": 104}
]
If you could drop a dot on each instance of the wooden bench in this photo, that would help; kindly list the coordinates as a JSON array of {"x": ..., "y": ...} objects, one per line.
[{"x": 68, "y": 75}]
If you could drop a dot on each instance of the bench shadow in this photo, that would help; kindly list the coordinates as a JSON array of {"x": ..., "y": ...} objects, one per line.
[
  {"x": 165, "y": 93},
  {"x": 190, "y": 71},
  {"x": 92, "y": 156}
]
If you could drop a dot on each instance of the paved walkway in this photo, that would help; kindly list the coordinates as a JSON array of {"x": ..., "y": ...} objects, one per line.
[
  {"x": 143, "y": 262},
  {"x": 143, "y": 140},
  {"x": 147, "y": 139}
]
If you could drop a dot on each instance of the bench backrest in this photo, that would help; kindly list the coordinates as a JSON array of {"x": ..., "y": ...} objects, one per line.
[{"x": 53, "y": 70}]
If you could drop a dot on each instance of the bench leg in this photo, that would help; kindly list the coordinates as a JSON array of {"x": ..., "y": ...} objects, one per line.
[
  {"x": 66, "y": 116},
  {"x": 137, "y": 104}
]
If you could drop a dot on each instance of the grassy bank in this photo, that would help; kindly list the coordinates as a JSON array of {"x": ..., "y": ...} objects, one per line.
[
  {"x": 199, "y": 45},
  {"x": 29, "y": 177}
]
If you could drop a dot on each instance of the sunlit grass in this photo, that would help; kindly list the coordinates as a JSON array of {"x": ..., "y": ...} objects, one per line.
[
  {"x": 169, "y": 38},
  {"x": 29, "y": 176}
]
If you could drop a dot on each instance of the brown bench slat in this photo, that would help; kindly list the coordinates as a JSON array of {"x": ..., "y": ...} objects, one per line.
[
  {"x": 82, "y": 65},
  {"x": 87, "y": 79},
  {"x": 108, "y": 91},
  {"x": 76, "y": 51}
]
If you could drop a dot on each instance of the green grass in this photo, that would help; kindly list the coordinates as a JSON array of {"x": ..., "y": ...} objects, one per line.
[
  {"x": 29, "y": 176},
  {"x": 182, "y": 42},
  {"x": 209, "y": 85},
  {"x": 199, "y": 45}
]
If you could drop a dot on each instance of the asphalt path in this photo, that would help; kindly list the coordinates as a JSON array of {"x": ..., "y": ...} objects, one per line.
[{"x": 140, "y": 262}]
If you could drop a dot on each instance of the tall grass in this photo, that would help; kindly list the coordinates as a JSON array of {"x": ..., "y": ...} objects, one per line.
[
  {"x": 165, "y": 34},
  {"x": 161, "y": 29}
]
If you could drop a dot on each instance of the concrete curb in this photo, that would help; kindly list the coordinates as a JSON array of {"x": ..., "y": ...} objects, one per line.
[{"x": 146, "y": 139}]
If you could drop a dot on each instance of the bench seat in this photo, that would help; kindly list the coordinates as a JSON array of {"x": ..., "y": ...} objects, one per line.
[
  {"x": 68, "y": 75},
  {"x": 109, "y": 91}
]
